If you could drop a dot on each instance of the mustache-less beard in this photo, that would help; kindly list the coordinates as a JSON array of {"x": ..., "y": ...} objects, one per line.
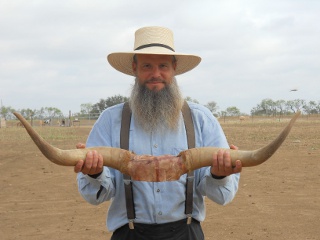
[{"x": 156, "y": 110}]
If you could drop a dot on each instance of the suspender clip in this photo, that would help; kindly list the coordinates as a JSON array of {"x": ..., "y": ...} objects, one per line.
[
  {"x": 189, "y": 218},
  {"x": 190, "y": 178},
  {"x": 127, "y": 181},
  {"x": 131, "y": 225}
]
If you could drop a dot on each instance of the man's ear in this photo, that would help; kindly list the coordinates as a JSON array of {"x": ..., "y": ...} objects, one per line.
[
  {"x": 174, "y": 64},
  {"x": 134, "y": 68}
]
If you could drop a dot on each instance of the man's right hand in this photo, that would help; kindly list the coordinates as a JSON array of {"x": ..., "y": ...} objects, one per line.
[{"x": 93, "y": 163}]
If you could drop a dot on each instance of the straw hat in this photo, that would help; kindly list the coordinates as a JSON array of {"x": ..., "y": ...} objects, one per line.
[{"x": 152, "y": 40}]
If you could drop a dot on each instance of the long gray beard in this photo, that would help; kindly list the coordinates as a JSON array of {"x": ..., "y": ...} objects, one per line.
[{"x": 156, "y": 110}]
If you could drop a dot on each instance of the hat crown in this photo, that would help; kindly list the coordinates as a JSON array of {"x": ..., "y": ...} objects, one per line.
[{"x": 153, "y": 35}]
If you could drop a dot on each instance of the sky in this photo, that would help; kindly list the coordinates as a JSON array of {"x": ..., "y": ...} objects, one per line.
[{"x": 53, "y": 53}]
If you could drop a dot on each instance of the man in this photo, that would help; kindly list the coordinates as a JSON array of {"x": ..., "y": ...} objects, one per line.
[{"x": 157, "y": 128}]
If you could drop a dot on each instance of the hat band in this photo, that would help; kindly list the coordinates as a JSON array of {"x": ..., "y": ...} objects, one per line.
[{"x": 154, "y": 45}]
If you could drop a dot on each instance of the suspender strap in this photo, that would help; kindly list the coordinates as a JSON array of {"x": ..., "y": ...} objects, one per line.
[
  {"x": 124, "y": 144},
  {"x": 125, "y": 126},
  {"x": 188, "y": 122}
]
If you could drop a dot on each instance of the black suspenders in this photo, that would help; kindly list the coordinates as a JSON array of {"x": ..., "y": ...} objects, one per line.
[
  {"x": 124, "y": 144},
  {"x": 187, "y": 118}
]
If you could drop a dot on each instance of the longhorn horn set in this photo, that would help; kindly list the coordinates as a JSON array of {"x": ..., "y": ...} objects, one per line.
[{"x": 156, "y": 168}]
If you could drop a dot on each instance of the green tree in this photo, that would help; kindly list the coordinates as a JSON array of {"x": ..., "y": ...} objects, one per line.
[
  {"x": 212, "y": 106},
  {"x": 27, "y": 113},
  {"x": 233, "y": 111},
  {"x": 189, "y": 99},
  {"x": 311, "y": 107},
  {"x": 108, "y": 102},
  {"x": 280, "y": 106},
  {"x": 86, "y": 108},
  {"x": 111, "y": 101},
  {"x": 296, "y": 104},
  {"x": 6, "y": 112},
  {"x": 52, "y": 112}
]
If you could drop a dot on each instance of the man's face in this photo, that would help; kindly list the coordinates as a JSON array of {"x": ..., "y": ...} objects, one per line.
[{"x": 154, "y": 71}]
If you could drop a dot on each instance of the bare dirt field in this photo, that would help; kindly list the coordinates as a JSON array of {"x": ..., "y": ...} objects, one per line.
[{"x": 279, "y": 199}]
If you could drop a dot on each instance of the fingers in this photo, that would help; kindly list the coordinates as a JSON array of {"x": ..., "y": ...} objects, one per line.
[
  {"x": 233, "y": 147},
  {"x": 222, "y": 164},
  {"x": 78, "y": 166},
  {"x": 238, "y": 164},
  {"x": 92, "y": 165},
  {"x": 238, "y": 167},
  {"x": 80, "y": 145}
]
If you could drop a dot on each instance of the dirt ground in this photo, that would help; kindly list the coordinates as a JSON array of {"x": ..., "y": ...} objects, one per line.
[{"x": 279, "y": 199}]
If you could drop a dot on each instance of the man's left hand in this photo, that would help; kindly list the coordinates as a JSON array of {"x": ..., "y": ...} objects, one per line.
[{"x": 222, "y": 165}]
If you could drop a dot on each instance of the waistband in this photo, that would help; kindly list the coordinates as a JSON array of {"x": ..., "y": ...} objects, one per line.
[
  {"x": 177, "y": 230},
  {"x": 162, "y": 227}
]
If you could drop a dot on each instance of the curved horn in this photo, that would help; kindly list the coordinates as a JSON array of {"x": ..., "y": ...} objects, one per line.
[
  {"x": 200, "y": 157},
  {"x": 155, "y": 168},
  {"x": 112, "y": 157}
]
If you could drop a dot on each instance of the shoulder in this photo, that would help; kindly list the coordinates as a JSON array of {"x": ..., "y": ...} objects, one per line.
[
  {"x": 199, "y": 110},
  {"x": 207, "y": 126},
  {"x": 105, "y": 131},
  {"x": 110, "y": 116},
  {"x": 113, "y": 110}
]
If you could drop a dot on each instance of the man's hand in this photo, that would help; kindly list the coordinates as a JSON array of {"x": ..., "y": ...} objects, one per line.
[
  {"x": 222, "y": 166},
  {"x": 93, "y": 163}
]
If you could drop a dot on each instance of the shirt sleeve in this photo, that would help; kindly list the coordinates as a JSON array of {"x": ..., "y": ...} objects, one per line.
[
  {"x": 102, "y": 188},
  {"x": 96, "y": 190},
  {"x": 210, "y": 134},
  {"x": 222, "y": 191}
]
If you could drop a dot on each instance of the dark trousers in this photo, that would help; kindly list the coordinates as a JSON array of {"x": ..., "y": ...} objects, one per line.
[{"x": 178, "y": 230}]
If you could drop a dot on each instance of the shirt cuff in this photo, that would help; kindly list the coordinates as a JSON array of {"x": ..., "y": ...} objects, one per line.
[
  {"x": 217, "y": 177},
  {"x": 95, "y": 175}
]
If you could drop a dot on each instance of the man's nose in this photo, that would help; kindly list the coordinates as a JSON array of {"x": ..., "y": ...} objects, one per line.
[{"x": 156, "y": 72}]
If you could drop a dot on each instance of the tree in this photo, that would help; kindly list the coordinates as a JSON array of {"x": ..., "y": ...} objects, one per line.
[
  {"x": 99, "y": 106},
  {"x": 223, "y": 114},
  {"x": 27, "y": 113},
  {"x": 233, "y": 111},
  {"x": 111, "y": 101},
  {"x": 318, "y": 107},
  {"x": 311, "y": 107},
  {"x": 280, "y": 105},
  {"x": 6, "y": 112},
  {"x": 268, "y": 106},
  {"x": 51, "y": 112},
  {"x": 212, "y": 106},
  {"x": 108, "y": 102},
  {"x": 86, "y": 108},
  {"x": 295, "y": 105},
  {"x": 189, "y": 99}
]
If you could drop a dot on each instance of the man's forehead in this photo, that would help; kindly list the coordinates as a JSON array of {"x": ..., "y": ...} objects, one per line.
[{"x": 146, "y": 57}]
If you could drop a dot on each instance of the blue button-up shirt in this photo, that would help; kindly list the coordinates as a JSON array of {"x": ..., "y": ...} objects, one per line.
[{"x": 156, "y": 202}]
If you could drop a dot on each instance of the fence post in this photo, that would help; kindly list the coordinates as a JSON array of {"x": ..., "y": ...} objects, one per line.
[
  {"x": 3, "y": 123},
  {"x": 70, "y": 123}
]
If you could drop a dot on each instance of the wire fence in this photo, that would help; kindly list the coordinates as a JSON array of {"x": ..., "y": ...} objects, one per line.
[{"x": 89, "y": 120}]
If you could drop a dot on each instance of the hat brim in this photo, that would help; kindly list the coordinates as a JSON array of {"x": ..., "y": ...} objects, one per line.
[{"x": 122, "y": 61}]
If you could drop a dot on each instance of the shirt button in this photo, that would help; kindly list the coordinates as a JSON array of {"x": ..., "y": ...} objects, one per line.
[
  {"x": 160, "y": 213},
  {"x": 155, "y": 145},
  {"x": 158, "y": 190}
]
